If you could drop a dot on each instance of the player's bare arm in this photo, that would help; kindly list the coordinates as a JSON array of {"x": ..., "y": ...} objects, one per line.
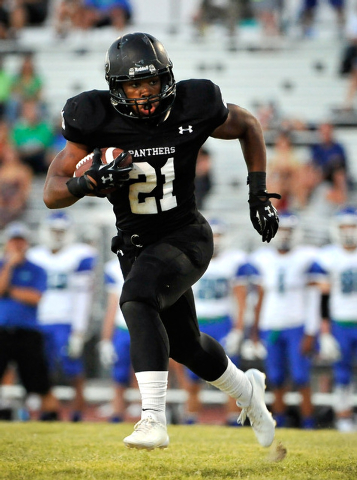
[
  {"x": 56, "y": 193},
  {"x": 242, "y": 125}
]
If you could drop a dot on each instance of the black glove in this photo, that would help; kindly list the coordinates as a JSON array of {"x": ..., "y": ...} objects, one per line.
[
  {"x": 105, "y": 176},
  {"x": 263, "y": 215}
]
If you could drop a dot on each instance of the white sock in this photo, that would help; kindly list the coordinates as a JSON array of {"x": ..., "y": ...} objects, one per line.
[
  {"x": 235, "y": 384},
  {"x": 153, "y": 388}
]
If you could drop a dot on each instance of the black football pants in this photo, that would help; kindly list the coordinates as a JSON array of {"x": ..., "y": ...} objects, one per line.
[{"x": 158, "y": 306}]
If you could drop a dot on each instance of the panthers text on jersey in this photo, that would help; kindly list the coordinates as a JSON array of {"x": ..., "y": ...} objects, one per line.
[
  {"x": 160, "y": 193},
  {"x": 70, "y": 274}
]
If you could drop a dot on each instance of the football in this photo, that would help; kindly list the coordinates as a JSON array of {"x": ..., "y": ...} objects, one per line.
[{"x": 108, "y": 155}]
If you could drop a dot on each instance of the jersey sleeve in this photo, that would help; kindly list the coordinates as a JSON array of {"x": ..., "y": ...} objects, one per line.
[
  {"x": 316, "y": 272},
  {"x": 219, "y": 107},
  {"x": 113, "y": 279},
  {"x": 86, "y": 264},
  {"x": 203, "y": 101},
  {"x": 82, "y": 115},
  {"x": 245, "y": 273}
]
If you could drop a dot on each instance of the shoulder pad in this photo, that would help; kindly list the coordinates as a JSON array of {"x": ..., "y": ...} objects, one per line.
[{"x": 84, "y": 113}]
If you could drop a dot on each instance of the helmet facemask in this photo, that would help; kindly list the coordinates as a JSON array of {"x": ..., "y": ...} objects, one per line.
[
  {"x": 139, "y": 56},
  {"x": 344, "y": 228},
  {"x": 286, "y": 237},
  {"x": 348, "y": 236},
  {"x": 126, "y": 106},
  {"x": 57, "y": 232}
]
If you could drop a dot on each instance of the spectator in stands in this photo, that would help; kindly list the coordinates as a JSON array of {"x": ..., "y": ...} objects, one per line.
[
  {"x": 64, "y": 310},
  {"x": 203, "y": 180},
  {"x": 209, "y": 12},
  {"x": 15, "y": 185},
  {"x": 4, "y": 137},
  {"x": 22, "y": 284},
  {"x": 284, "y": 171},
  {"x": 27, "y": 84},
  {"x": 68, "y": 16},
  {"x": 267, "y": 12},
  {"x": 102, "y": 13},
  {"x": 29, "y": 13},
  {"x": 5, "y": 88},
  {"x": 349, "y": 60},
  {"x": 329, "y": 158},
  {"x": 309, "y": 11},
  {"x": 287, "y": 317},
  {"x": 4, "y": 21},
  {"x": 32, "y": 137},
  {"x": 114, "y": 347},
  {"x": 268, "y": 114}
]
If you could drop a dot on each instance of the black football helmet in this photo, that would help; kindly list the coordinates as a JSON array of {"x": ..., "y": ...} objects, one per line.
[{"x": 139, "y": 56}]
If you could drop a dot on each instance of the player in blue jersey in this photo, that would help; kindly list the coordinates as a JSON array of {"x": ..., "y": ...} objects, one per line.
[
  {"x": 336, "y": 273},
  {"x": 65, "y": 308},
  {"x": 163, "y": 243},
  {"x": 22, "y": 284},
  {"x": 216, "y": 310},
  {"x": 287, "y": 316}
]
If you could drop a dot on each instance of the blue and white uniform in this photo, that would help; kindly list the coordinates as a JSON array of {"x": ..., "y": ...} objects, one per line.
[
  {"x": 338, "y": 266},
  {"x": 289, "y": 310},
  {"x": 65, "y": 307}
]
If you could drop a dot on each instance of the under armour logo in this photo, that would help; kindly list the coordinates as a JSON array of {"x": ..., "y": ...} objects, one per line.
[
  {"x": 109, "y": 178},
  {"x": 270, "y": 213},
  {"x": 189, "y": 129}
]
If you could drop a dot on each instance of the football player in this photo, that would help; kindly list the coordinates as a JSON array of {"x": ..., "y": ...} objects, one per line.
[
  {"x": 287, "y": 316},
  {"x": 164, "y": 244},
  {"x": 215, "y": 308},
  {"x": 337, "y": 265},
  {"x": 64, "y": 309}
]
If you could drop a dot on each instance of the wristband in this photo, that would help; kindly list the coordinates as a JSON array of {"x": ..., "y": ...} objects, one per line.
[
  {"x": 257, "y": 182},
  {"x": 79, "y": 187}
]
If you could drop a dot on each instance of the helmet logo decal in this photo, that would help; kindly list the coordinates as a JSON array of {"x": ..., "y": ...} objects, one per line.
[
  {"x": 140, "y": 69},
  {"x": 189, "y": 129}
]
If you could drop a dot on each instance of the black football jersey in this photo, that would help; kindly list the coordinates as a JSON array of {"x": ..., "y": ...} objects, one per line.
[{"x": 160, "y": 192}]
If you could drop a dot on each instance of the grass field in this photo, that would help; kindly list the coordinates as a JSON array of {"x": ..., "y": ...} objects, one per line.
[{"x": 65, "y": 451}]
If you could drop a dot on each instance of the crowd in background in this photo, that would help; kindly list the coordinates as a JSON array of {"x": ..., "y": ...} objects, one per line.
[{"x": 30, "y": 138}]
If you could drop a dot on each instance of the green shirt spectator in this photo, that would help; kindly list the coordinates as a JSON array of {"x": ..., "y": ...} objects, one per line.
[{"x": 32, "y": 137}]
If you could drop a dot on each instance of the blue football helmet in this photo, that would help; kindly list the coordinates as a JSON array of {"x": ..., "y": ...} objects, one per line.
[
  {"x": 344, "y": 227},
  {"x": 285, "y": 236},
  {"x": 57, "y": 231}
]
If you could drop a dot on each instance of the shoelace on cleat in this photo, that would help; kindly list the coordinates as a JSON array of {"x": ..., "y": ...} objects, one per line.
[
  {"x": 144, "y": 425},
  {"x": 242, "y": 417}
]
